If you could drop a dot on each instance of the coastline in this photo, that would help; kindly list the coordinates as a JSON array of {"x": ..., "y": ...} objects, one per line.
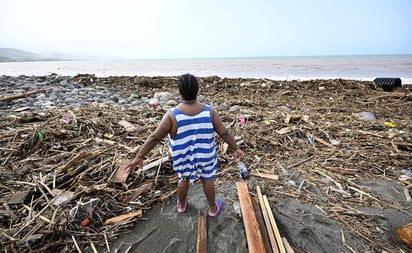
[
  {"x": 362, "y": 68},
  {"x": 351, "y": 188}
]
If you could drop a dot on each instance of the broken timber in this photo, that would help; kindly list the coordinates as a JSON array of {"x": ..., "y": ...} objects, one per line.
[
  {"x": 201, "y": 233},
  {"x": 264, "y": 175},
  {"x": 253, "y": 235},
  {"x": 123, "y": 217},
  {"x": 270, "y": 232},
  {"x": 274, "y": 226}
]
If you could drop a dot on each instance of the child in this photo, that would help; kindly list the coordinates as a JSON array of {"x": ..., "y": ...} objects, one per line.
[{"x": 191, "y": 128}]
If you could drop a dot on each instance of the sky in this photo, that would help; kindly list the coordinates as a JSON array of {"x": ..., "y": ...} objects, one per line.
[{"x": 152, "y": 29}]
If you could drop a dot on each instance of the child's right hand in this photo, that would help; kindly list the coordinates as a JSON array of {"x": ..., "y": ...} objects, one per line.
[
  {"x": 137, "y": 162},
  {"x": 239, "y": 154}
]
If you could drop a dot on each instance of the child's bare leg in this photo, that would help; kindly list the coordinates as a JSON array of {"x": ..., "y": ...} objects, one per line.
[
  {"x": 182, "y": 189},
  {"x": 209, "y": 190}
]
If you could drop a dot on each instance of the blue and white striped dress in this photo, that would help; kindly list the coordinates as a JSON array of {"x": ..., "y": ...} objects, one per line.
[{"x": 193, "y": 148}]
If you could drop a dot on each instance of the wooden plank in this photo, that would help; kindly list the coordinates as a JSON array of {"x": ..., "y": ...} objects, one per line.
[
  {"x": 289, "y": 248},
  {"x": 264, "y": 175},
  {"x": 123, "y": 217},
  {"x": 274, "y": 226},
  {"x": 253, "y": 236},
  {"x": 201, "y": 233},
  {"x": 121, "y": 174},
  {"x": 19, "y": 197},
  {"x": 268, "y": 225},
  {"x": 262, "y": 226}
]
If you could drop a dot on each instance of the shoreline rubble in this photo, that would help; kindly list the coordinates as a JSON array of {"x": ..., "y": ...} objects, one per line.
[{"x": 60, "y": 148}]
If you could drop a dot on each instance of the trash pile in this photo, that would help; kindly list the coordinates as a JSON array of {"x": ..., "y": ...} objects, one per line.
[{"x": 57, "y": 166}]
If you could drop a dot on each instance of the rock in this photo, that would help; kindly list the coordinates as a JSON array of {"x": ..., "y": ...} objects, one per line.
[
  {"x": 171, "y": 103},
  {"x": 234, "y": 108}
]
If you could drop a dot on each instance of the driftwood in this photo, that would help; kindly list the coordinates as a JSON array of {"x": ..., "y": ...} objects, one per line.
[
  {"x": 24, "y": 94},
  {"x": 123, "y": 217},
  {"x": 264, "y": 175},
  {"x": 76, "y": 151}
]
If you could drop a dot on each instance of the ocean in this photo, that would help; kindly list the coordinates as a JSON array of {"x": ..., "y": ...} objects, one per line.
[{"x": 366, "y": 67}]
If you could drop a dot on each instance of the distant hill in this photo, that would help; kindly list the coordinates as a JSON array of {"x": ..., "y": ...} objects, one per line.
[{"x": 13, "y": 55}]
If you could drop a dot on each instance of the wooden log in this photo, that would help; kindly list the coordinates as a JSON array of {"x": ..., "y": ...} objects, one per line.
[
  {"x": 264, "y": 175},
  {"x": 268, "y": 225},
  {"x": 123, "y": 217},
  {"x": 201, "y": 243},
  {"x": 274, "y": 226},
  {"x": 253, "y": 236},
  {"x": 24, "y": 94}
]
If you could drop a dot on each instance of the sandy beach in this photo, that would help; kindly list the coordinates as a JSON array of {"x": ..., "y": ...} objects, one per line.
[{"x": 341, "y": 149}]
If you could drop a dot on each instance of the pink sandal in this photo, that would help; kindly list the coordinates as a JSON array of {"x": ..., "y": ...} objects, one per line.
[
  {"x": 181, "y": 210},
  {"x": 219, "y": 205}
]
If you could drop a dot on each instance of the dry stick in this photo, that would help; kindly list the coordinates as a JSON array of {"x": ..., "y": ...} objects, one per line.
[
  {"x": 38, "y": 214},
  {"x": 152, "y": 164},
  {"x": 76, "y": 158},
  {"x": 160, "y": 164},
  {"x": 363, "y": 193},
  {"x": 323, "y": 173},
  {"x": 358, "y": 186},
  {"x": 93, "y": 247},
  {"x": 24, "y": 94},
  {"x": 107, "y": 243},
  {"x": 391, "y": 94},
  {"x": 8, "y": 236},
  {"x": 33, "y": 230},
  {"x": 75, "y": 244},
  {"x": 320, "y": 140},
  {"x": 44, "y": 194},
  {"x": 340, "y": 218},
  {"x": 297, "y": 163}
]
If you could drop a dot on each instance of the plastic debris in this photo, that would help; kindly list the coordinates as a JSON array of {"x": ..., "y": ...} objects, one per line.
[{"x": 367, "y": 116}]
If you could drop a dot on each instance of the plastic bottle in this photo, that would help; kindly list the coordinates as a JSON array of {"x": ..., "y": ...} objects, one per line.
[{"x": 243, "y": 170}]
